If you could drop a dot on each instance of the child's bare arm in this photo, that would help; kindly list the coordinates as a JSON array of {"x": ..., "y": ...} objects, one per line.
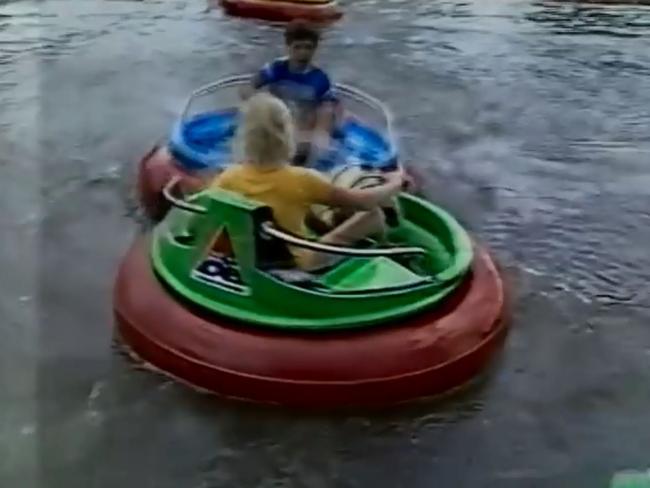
[{"x": 368, "y": 198}]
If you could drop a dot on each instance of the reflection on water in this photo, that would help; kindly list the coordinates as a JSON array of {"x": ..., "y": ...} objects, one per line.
[{"x": 527, "y": 119}]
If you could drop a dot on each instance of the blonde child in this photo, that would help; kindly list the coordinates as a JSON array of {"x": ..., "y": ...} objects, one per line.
[{"x": 266, "y": 142}]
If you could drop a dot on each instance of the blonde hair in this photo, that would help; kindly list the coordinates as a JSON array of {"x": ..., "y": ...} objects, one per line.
[{"x": 266, "y": 132}]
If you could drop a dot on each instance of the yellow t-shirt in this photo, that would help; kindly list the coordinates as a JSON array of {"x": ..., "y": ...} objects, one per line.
[{"x": 289, "y": 191}]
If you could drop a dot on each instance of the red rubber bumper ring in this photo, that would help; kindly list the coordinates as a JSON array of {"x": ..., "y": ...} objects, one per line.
[
  {"x": 423, "y": 356},
  {"x": 155, "y": 170}
]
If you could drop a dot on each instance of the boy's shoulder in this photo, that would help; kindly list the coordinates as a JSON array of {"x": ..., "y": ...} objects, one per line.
[
  {"x": 319, "y": 72},
  {"x": 281, "y": 65}
]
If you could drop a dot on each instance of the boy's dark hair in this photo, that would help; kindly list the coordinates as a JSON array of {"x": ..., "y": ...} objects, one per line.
[{"x": 299, "y": 30}]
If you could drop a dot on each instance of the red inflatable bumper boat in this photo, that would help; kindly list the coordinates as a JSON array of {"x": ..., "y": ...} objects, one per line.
[
  {"x": 210, "y": 296},
  {"x": 316, "y": 11},
  {"x": 423, "y": 356}
]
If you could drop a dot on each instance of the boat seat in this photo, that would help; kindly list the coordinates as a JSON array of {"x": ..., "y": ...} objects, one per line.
[
  {"x": 355, "y": 275},
  {"x": 368, "y": 274},
  {"x": 350, "y": 275},
  {"x": 295, "y": 276}
]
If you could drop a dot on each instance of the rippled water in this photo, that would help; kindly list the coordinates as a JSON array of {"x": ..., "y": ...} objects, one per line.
[{"x": 529, "y": 121}]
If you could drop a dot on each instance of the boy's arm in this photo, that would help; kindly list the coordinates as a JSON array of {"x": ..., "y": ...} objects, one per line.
[
  {"x": 263, "y": 77},
  {"x": 327, "y": 108},
  {"x": 325, "y": 116}
]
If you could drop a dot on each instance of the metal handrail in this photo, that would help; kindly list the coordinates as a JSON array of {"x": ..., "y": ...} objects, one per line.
[
  {"x": 176, "y": 202},
  {"x": 270, "y": 229},
  {"x": 342, "y": 88},
  {"x": 212, "y": 87}
]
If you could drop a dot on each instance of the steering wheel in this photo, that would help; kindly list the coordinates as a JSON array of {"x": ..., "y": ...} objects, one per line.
[{"x": 371, "y": 181}]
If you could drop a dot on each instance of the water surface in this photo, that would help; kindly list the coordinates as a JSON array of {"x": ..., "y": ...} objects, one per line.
[{"x": 528, "y": 120}]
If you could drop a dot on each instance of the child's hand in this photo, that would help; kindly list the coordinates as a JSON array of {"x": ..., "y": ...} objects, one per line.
[
  {"x": 245, "y": 92},
  {"x": 321, "y": 141},
  {"x": 402, "y": 179},
  {"x": 408, "y": 182}
]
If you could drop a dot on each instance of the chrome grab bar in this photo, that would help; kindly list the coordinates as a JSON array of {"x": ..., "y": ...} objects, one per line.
[
  {"x": 177, "y": 202},
  {"x": 270, "y": 229},
  {"x": 212, "y": 87},
  {"x": 350, "y": 91}
]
